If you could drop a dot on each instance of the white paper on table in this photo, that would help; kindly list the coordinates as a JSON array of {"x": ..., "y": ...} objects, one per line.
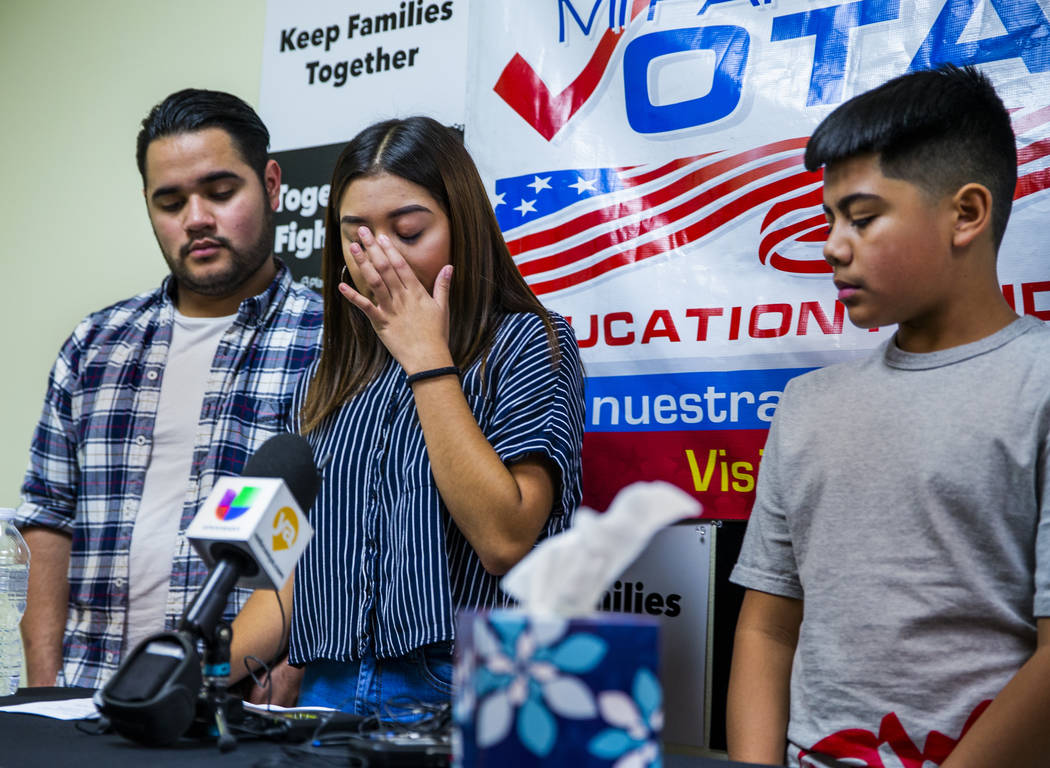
[{"x": 66, "y": 709}]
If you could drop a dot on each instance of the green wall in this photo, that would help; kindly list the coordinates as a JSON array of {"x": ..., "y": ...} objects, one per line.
[{"x": 77, "y": 80}]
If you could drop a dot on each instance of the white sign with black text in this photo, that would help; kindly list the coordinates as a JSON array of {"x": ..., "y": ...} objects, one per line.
[
  {"x": 331, "y": 67},
  {"x": 671, "y": 580}
]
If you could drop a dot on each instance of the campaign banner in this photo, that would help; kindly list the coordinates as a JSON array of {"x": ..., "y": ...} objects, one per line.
[{"x": 644, "y": 160}]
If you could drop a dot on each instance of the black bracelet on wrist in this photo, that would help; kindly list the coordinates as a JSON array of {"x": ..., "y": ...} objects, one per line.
[{"x": 433, "y": 373}]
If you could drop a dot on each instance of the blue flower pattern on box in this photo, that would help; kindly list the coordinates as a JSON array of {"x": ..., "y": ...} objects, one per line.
[
  {"x": 542, "y": 689},
  {"x": 637, "y": 720}
]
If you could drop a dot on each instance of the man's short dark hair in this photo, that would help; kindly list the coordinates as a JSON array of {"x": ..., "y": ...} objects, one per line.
[
  {"x": 938, "y": 129},
  {"x": 194, "y": 109}
]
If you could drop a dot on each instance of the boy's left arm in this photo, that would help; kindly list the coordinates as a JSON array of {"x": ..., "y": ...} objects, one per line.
[{"x": 1015, "y": 729}]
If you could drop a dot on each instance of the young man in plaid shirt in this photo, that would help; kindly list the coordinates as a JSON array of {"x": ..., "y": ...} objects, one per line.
[{"x": 153, "y": 398}]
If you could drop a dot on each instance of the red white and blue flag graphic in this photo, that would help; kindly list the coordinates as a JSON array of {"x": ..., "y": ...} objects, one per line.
[
  {"x": 567, "y": 227},
  {"x": 1032, "y": 128}
]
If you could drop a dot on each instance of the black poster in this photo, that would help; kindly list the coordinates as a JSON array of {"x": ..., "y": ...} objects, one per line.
[{"x": 299, "y": 221}]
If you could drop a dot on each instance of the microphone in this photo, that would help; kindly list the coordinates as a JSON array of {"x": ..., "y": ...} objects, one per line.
[{"x": 250, "y": 530}]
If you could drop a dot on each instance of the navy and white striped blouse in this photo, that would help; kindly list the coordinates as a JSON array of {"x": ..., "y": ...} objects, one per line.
[{"x": 388, "y": 568}]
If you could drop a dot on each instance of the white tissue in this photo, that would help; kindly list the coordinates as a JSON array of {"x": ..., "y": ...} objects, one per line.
[{"x": 568, "y": 574}]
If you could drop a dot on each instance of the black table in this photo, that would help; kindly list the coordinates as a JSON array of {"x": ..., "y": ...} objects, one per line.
[
  {"x": 31, "y": 740},
  {"x": 28, "y": 741}
]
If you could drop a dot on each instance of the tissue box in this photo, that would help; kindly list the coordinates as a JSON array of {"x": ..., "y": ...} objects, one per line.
[{"x": 536, "y": 690}]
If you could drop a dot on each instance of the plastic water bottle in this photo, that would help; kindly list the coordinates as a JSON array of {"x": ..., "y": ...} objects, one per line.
[{"x": 14, "y": 579}]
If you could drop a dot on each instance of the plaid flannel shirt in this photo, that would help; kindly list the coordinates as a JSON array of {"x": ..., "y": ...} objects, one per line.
[{"x": 91, "y": 448}]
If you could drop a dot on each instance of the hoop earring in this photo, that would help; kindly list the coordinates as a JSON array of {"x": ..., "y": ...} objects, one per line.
[{"x": 344, "y": 275}]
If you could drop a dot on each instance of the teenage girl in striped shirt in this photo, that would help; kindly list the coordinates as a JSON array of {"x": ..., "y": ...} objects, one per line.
[{"x": 451, "y": 403}]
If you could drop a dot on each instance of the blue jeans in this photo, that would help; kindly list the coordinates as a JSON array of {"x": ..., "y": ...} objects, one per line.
[{"x": 391, "y": 688}]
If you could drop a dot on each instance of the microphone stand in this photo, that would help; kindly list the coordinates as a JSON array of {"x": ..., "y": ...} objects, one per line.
[
  {"x": 163, "y": 689},
  {"x": 203, "y": 619},
  {"x": 215, "y": 705}
]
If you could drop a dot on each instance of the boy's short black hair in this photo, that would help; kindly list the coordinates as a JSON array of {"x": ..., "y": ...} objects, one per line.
[
  {"x": 195, "y": 109},
  {"x": 938, "y": 129}
]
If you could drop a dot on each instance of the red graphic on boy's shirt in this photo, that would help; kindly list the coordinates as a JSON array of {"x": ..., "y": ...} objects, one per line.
[{"x": 864, "y": 745}]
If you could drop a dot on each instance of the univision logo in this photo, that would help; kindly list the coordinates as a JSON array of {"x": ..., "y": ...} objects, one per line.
[{"x": 235, "y": 503}]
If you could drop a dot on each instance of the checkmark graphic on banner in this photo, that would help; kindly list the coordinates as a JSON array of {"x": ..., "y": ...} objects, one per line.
[{"x": 525, "y": 92}]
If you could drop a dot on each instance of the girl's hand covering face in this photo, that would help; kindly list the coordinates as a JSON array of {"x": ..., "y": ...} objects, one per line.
[
  {"x": 396, "y": 245},
  {"x": 411, "y": 322}
]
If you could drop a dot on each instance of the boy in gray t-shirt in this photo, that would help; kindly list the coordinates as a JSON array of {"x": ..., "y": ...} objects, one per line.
[{"x": 898, "y": 555}]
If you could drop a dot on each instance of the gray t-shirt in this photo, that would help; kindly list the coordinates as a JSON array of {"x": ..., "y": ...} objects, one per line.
[{"x": 903, "y": 497}]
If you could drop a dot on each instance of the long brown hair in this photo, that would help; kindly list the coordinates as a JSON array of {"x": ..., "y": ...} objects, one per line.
[{"x": 486, "y": 284}]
